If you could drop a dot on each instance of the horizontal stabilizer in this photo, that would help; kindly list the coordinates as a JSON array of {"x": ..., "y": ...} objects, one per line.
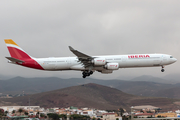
[{"x": 14, "y": 59}]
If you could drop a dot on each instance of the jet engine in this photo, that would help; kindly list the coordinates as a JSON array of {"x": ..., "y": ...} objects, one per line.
[
  {"x": 99, "y": 61},
  {"x": 112, "y": 66},
  {"x": 106, "y": 71}
]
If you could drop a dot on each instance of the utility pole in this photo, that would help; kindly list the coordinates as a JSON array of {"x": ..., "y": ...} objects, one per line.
[
  {"x": 132, "y": 117},
  {"x": 29, "y": 105}
]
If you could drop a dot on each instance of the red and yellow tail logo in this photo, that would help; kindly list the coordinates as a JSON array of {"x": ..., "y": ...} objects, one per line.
[{"x": 15, "y": 51}]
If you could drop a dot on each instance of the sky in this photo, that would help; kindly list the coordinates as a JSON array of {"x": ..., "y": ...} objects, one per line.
[{"x": 45, "y": 28}]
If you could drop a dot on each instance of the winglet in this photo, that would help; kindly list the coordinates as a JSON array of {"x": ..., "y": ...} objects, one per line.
[{"x": 71, "y": 49}]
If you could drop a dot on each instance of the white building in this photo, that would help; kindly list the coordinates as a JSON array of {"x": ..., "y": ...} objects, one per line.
[
  {"x": 111, "y": 116},
  {"x": 11, "y": 108}
]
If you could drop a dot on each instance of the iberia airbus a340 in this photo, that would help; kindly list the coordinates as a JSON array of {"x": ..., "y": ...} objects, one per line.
[{"x": 85, "y": 63}]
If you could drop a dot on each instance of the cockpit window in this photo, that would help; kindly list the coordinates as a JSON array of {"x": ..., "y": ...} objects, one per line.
[{"x": 171, "y": 56}]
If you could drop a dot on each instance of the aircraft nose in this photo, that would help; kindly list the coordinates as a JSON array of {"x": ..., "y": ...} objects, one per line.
[{"x": 174, "y": 60}]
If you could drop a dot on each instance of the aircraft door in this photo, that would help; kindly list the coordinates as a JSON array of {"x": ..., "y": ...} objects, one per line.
[
  {"x": 164, "y": 59},
  {"x": 157, "y": 61}
]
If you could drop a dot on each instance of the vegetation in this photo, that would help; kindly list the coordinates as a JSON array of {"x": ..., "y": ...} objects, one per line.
[
  {"x": 54, "y": 116},
  {"x": 121, "y": 110},
  {"x": 141, "y": 111},
  {"x": 42, "y": 115},
  {"x": 13, "y": 111},
  {"x": 63, "y": 116},
  {"x": 159, "y": 116},
  {"x": 1, "y": 113},
  {"x": 79, "y": 117},
  {"x": 37, "y": 114},
  {"x": 20, "y": 110},
  {"x": 94, "y": 118},
  {"x": 150, "y": 117},
  {"x": 112, "y": 110},
  {"x": 149, "y": 111},
  {"x": 26, "y": 113},
  {"x": 6, "y": 112}
]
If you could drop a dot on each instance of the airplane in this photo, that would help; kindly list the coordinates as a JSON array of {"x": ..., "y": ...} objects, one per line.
[{"x": 86, "y": 63}]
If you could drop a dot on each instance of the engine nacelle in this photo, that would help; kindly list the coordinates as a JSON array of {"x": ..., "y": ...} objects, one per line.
[
  {"x": 106, "y": 71},
  {"x": 99, "y": 61},
  {"x": 112, "y": 66}
]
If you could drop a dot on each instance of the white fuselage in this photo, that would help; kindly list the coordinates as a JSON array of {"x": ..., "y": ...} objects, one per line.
[
  {"x": 85, "y": 63},
  {"x": 124, "y": 61}
]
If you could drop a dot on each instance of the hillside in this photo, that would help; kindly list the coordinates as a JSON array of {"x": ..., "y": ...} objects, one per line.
[
  {"x": 152, "y": 79},
  {"x": 37, "y": 85},
  {"x": 91, "y": 95},
  {"x": 169, "y": 93}
]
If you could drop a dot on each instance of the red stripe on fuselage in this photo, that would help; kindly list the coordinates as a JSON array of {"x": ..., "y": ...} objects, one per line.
[
  {"x": 31, "y": 63},
  {"x": 21, "y": 55}
]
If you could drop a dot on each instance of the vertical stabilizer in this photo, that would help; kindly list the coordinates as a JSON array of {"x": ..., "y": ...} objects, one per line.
[{"x": 15, "y": 51}]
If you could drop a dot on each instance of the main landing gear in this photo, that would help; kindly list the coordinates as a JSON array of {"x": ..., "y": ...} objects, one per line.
[
  {"x": 87, "y": 73},
  {"x": 162, "y": 70}
]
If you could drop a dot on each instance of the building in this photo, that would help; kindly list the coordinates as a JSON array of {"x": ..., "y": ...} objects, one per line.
[
  {"x": 10, "y": 109},
  {"x": 144, "y": 115},
  {"x": 171, "y": 114},
  {"x": 111, "y": 116}
]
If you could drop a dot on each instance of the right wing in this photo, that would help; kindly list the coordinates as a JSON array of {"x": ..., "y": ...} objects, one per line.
[{"x": 83, "y": 58}]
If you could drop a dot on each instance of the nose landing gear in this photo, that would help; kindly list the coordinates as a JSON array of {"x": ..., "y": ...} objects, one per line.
[
  {"x": 87, "y": 73},
  {"x": 162, "y": 70}
]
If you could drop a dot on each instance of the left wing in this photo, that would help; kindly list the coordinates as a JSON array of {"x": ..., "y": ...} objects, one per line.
[{"x": 83, "y": 58}]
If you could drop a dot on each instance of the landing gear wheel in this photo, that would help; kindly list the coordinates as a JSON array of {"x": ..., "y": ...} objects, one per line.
[
  {"x": 91, "y": 72},
  {"x": 162, "y": 70},
  {"x": 86, "y": 73}
]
